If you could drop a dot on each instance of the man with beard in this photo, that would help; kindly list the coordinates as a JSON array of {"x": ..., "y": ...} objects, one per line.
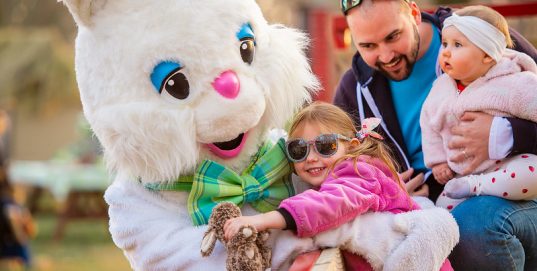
[{"x": 392, "y": 74}]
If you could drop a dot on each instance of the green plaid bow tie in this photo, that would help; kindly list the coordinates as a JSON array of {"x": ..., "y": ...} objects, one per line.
[{"x": 264, "y": 184}]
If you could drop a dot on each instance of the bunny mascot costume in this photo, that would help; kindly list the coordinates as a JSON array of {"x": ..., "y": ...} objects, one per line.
[{"x": 182, "y": 92}]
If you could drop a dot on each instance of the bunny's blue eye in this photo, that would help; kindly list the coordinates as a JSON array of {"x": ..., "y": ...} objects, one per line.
[{"x": 167, "y": 77}]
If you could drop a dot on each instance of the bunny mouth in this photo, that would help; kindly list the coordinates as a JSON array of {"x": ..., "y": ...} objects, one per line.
[{"x": 228, "y": 149}]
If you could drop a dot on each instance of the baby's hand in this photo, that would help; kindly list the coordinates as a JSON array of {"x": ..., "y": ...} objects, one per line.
[
  {"x": 232, "y": 225},
  {"x": 442, "y": 173}
]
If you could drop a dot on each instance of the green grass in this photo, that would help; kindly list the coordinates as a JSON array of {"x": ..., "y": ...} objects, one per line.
[{"x": 86, "y": 245}]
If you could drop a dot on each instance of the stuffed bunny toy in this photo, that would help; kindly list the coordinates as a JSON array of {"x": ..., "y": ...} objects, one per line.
[
  {"x": 182, "y": 95},
  {"x": 246, "y": 251}
]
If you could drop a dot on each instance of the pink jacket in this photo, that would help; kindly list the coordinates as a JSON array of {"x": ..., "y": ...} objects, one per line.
[
  {"x": 348, "y": 191},
  {"x": 508, "y": 89}
]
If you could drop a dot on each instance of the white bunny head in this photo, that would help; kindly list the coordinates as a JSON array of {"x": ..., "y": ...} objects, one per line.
[{"x": 167, "y": 83}]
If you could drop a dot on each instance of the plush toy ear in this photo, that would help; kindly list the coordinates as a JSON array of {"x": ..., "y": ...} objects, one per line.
[
  {"x": 83, "y": 10},
  {"x": 208, "y": 242}
]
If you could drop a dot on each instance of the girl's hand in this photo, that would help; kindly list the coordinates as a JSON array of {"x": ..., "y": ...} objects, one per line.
[
  {"x": 261, "y": 222},
  {"x": 232, "y": 226},
  {"x": 442, "y": 173}
]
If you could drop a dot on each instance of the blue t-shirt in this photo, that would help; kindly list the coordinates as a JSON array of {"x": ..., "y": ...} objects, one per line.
[{"x": 408, "y": 97}]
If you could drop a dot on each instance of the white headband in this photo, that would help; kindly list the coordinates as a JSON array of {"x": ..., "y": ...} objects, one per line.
[{"x": 484, "y": 35}]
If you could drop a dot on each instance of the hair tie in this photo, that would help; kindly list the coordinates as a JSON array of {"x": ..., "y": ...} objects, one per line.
[{"x": 367, "y": 129}]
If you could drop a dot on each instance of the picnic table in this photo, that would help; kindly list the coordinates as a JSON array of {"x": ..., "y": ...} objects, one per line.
[{"x": 73, "y": 185}]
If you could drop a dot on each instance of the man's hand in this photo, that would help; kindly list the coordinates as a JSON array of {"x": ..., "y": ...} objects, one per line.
[
  {"x": 471, "y": 137},
  {"x": 414, "y": 186},
  {"x": 442, "y": 173}
]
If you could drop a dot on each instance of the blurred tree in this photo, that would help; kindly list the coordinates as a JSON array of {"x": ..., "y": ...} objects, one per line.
[
  {"x": 36, "y": 62},
  {"x": 37, "y": 13},
  {"x": 36, "y": 70}
]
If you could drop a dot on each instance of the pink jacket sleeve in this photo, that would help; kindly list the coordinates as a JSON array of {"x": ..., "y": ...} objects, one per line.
[
  {"x": 431, "y": 138},
  {"x": 344, "y": 195}
]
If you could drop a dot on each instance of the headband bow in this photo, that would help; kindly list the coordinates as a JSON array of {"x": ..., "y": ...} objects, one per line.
[{"x": 367, "y": 129}]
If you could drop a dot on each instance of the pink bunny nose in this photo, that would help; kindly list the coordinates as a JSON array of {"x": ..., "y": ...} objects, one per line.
[{"x": 227, "y": 84}]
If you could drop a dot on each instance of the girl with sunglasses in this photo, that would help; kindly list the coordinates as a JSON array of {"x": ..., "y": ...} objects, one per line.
[{"x": 351, "y": 173}]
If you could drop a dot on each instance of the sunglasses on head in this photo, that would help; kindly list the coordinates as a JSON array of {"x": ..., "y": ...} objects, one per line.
[
  {"x": 325, "y": 145},
  {"x": 347, "y": 5}
]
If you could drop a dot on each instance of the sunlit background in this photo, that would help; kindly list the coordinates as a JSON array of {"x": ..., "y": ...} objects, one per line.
[{"x": 55, "y": 164}]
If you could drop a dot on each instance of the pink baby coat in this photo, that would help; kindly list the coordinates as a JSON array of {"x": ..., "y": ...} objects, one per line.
[
  {"x": 348, "y": 191},
  {"x": 509, "y": 89}
]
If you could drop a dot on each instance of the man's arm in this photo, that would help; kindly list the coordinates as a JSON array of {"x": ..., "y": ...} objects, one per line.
[{"x": 524, "y": 135}]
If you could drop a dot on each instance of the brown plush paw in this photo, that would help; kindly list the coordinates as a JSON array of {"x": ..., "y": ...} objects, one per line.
[{"x": 246, "y": 234}]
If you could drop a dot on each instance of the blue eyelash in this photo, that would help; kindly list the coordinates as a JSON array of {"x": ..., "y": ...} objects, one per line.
[
  {"x": 246, "y": 32},
  {"x": 161, "y": 71}
]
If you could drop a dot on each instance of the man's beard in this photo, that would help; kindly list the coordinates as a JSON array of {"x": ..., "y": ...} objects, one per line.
[{"x": 410, "y": 60}]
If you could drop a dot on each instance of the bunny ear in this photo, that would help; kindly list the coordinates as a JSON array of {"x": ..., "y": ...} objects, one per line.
[
  {"x": 208, "y": 242},
  {"x": 83, "y": 10}
]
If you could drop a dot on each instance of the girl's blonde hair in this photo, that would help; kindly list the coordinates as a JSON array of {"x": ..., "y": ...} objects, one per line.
[
  {"x": 490, "y": 16},
  {"x": 334, "y": 120}
]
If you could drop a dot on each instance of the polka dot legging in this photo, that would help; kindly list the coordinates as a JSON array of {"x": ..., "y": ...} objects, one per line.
[{"x": 514, "y": 178}]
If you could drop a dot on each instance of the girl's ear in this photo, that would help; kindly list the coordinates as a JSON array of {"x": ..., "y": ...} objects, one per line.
[{"x": 354, "y": 143}]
